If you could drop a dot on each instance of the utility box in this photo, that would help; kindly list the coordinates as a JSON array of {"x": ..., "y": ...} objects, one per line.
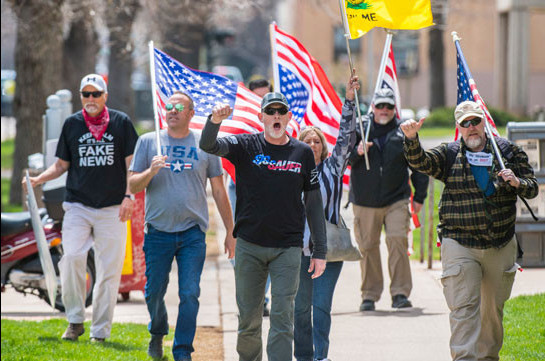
[{"x": 530, "y": 136}]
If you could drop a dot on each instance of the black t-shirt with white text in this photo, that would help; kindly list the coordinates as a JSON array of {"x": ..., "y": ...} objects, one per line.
[
  {"x": 97, "y": 176},
  {"x": 270, "y": 180}
]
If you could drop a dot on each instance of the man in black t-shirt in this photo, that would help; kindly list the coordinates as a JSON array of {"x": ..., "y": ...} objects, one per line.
[
  {"x": 95, "y": 147},
  {"x": 273, "y": 170}
]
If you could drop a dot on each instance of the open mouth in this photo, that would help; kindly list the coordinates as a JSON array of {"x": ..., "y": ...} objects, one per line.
[{"x": 277, "y": 126}]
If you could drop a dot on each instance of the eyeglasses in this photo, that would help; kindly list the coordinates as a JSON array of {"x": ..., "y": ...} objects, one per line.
[
  {"x": 179, "y": 107},
  {"x": 95, "y": 94},
  {"x": 382, "y": 105},
  {"x": 273, "y": 111},
  {"x": 473, "y": 121}
]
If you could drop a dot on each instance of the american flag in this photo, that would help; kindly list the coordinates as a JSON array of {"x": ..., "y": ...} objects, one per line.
[
  {"x": 207, "y": 90},
  {"x": 389, "y": 80},
  {"x": 467, "y": 89},
  {"x": 311, "y": 97},
  {"x": 302, "y": 80}
]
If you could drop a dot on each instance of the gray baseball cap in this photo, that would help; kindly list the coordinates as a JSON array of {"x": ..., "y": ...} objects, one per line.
[
  {"x": 384, "y": 95},
  {"x": 274, "y": 98},
  {"x": 96, "y": 81}
]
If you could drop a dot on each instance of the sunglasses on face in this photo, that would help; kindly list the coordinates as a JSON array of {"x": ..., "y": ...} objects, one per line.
[
  {"x": 95, "y": 94},
  {"x": 273, "y": 111},
  {"x": 179, "y": 107},
  {"x": 466, "y": 123},
  {"x": 382, "y": 105}
]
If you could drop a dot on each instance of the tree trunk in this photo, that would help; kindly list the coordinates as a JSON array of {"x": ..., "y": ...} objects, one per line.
[
  {"x": 80, "y": 50},
  {"x": 120, "y": 15},
  {"x": 437, "y": 58},
  {"x": 38, "y": 62},
  {"x": 183, "y": 43}
]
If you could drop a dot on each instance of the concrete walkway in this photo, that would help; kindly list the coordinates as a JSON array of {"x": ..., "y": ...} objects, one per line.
[{"x": 418, "y": 334}]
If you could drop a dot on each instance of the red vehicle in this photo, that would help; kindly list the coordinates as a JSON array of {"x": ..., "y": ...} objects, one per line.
[{"x": 21, "y": 267}]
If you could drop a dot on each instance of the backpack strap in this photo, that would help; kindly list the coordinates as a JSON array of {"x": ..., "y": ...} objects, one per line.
[{"x": 452, "y": 151}]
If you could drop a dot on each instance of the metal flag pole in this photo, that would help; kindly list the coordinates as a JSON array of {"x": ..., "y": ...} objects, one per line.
[
  {"x": 154, "y": 95},
  {"x": 456, "y": 39},
  {"x": 347, "y": 36}
]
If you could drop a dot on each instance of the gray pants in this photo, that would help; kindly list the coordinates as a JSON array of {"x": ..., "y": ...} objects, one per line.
[
  {"x": 253, "y": 265},
  {"x": 476, "y": 284}
]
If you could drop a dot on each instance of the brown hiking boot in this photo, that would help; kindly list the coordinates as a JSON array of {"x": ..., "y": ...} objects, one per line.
[{"x": 73, "y": 331}]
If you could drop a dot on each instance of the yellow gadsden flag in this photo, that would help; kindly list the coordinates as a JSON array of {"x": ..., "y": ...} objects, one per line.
[{"x": 363, "y": 15}]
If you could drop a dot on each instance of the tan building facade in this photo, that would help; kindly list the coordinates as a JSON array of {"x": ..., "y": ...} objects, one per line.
[{"x": 503, "y": 42}]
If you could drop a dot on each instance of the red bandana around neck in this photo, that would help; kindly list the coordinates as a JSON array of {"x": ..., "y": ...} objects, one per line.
[{"x": 97, "y": 125}]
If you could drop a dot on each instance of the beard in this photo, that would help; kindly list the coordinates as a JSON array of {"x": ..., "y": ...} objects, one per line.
[
  {"x": 383, "y": 120},
  {"x": 91, "y": 108},
  {"x": 474, "y": 142},
  {"x": 273, "y": 133}
]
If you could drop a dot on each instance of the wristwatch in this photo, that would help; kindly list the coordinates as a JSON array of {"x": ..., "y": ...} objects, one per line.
[{"x": 130, "y": 196}]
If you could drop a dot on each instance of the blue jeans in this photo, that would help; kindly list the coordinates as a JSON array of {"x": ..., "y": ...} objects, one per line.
[
  {"x": 189, "y": 249},
  {"x": 313, "y": 311}
]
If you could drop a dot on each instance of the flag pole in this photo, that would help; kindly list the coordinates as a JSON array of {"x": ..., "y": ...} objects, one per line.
[
  {"x": 380, "y": 74},
  {"x": 456, "y": 39},
  {"x": 347, "y": 36},
  {"x": 276, "y": 76},
  {"x": 154, "y": 95}
]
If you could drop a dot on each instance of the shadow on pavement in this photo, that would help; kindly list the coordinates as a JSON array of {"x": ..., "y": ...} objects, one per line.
[{"x": 412, "y": 312}]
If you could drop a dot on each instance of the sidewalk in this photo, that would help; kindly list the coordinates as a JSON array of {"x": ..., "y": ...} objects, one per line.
[{"x": 418, "y": 334}]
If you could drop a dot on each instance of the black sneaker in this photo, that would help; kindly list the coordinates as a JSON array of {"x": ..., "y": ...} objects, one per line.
[
  {"x": 266, "y": 312},
  {"x": 401, "y": 301},
  {"x": 155, "y": 348},
  {"x": 367, "y": 305},
  {"x": 97, "y": 339}
]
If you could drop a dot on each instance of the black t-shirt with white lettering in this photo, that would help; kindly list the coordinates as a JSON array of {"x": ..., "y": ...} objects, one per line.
[
  {"x": 270, "y": 180},
  {"x": 97, "y": 176}
]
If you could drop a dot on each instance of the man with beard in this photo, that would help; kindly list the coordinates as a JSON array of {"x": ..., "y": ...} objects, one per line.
[
  {"x": 176, "y": 220},
  {"x": 273, "y": 170},
  {"x": 380, "y": 197},
  {"x": 476, "y": 226},
  {"x": 95, "y": 147}
]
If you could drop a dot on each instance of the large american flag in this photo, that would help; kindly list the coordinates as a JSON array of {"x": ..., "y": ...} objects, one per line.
[
  {"x": 311, "y": 97},
  {"x": 302, "y": 80},
  {"x": 467, "y": 89}
]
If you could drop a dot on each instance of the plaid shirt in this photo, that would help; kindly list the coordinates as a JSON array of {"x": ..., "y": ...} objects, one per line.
[{"x": 465, "y": 213}]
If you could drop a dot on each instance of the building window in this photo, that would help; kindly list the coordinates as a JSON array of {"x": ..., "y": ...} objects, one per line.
[
  {"x": 339, "y": 44},
  {"x": 405, "y": 44}
]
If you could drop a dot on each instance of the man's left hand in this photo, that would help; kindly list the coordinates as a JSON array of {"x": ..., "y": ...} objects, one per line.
[
  {"x": 125, "y": 211},
  {"x": 510, "y": 177},
  {"x": 417, "y": 207},
  {"x": 230, "y": 245},
  {"x": 318, "y": 266}
]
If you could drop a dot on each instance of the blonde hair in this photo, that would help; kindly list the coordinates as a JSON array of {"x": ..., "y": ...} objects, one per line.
[{"x": 320, "y": 135}]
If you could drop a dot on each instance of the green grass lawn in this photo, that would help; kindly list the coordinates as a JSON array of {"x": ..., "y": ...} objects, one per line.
[
  {"x": 29, "y": 340},
  {"x": 438, "y": 186},
  {"x": 524, "y": 325},
  {"x": 8, "y": 147}
]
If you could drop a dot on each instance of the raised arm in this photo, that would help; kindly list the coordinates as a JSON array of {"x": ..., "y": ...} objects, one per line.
[
  {"x": 346, "y": 139},
  {"x": 430, "y": 162},
  {"x": 209, "y": 138}
]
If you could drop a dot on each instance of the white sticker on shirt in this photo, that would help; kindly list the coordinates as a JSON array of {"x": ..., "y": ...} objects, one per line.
[{"x": 480, "y": 159}]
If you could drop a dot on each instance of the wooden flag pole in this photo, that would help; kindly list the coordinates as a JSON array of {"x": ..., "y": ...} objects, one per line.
[
  {"x": 360, "y": 122},
  {"x": 154, "y": 95}
]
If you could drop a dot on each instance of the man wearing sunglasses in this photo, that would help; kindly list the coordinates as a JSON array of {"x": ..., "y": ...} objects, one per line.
[
  {"x": 176, "y": 220},
  {"x": 476, "y": 226},
  {"x": 95, "y": 147},
  {"x": 273, "y": 170},
  {"x": 380, "y": 197}
]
